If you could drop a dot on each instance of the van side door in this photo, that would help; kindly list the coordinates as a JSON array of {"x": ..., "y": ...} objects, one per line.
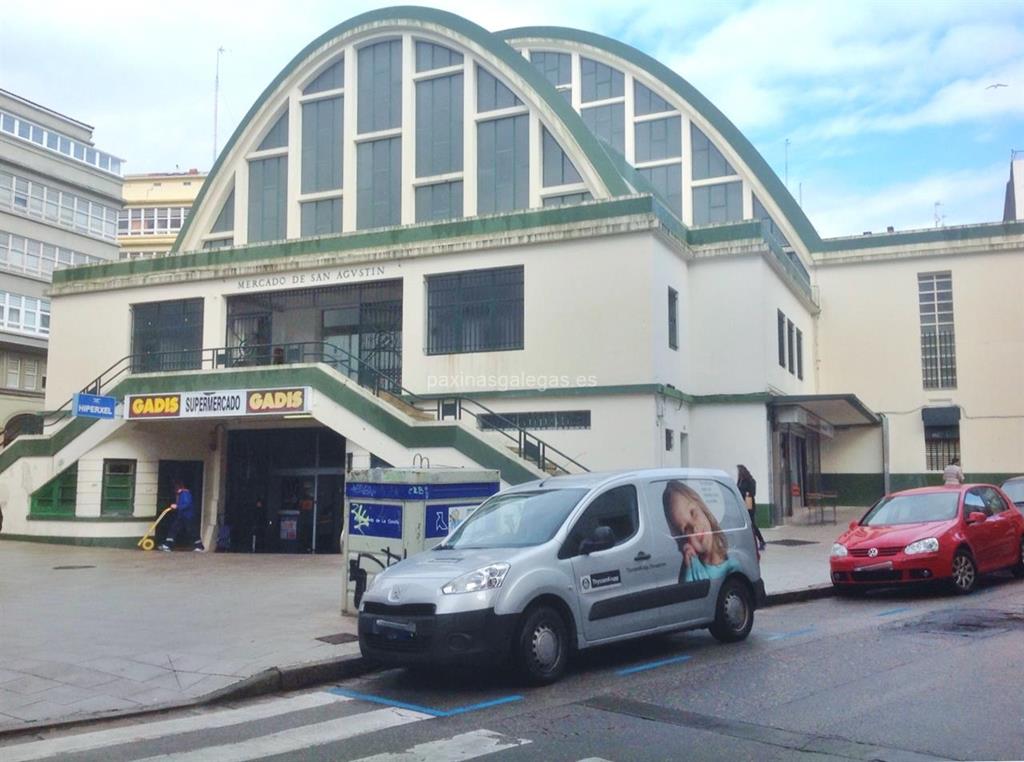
[{"x": 605, "y": 579}]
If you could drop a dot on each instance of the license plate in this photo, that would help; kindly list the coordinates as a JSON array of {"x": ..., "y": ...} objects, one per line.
[
  {"x": 883, "y": 566},
  {"x": 393, "y": 630}
]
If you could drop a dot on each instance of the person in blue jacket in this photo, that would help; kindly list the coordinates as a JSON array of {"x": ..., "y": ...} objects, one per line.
[{"x": 185, "y": 528}]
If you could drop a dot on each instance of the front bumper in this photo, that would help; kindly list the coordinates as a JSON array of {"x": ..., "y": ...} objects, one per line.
[
  {"x": 414, "y": 635},
  {"x": 896, "y": 570}
]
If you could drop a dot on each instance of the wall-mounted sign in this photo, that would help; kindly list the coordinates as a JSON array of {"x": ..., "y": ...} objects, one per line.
[
  {"x": 92, "y": 406},
  {"x": 218, "y": 404},
  {"x": 375, "y": 520},
  {"x": 316, "y": 278}
]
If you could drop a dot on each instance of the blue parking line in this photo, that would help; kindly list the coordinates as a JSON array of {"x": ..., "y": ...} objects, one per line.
[
  {"x": 653, "y": 665},
  {"x": 890, "y": 612},
  {"x": 432, "y": 711},
  {"x": 793, "y": 634}
]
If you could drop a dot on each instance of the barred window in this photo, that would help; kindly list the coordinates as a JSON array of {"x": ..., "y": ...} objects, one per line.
[
  {"x": 938, "y": 339},
  {"x": 941, "y": 446},
  {"x": 475, "y": 311},
  {"x": 547, "y": 419},
  {"x": 118, "y": 491}
]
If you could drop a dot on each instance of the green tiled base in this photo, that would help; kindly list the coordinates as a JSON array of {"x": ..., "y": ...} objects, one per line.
[{"x": 93, "y": 542}]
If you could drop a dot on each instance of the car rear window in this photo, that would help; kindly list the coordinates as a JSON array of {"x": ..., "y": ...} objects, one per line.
[{"x": 913, "y": 509}]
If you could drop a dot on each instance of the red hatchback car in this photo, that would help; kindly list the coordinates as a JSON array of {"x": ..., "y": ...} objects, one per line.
[{"x": 933, "y": 533}]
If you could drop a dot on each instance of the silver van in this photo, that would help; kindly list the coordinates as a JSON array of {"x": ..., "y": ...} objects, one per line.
[{"x": 568, "y": 563}]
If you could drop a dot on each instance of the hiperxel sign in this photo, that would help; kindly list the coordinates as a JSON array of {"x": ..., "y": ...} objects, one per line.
[{"x": 218, "y": 404}]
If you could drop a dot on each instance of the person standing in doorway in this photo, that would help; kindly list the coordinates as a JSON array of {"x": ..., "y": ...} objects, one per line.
[
  {"x": 186, "y": 523},
  {"x": 747, "y": 486},
  {"x": 953, "y": 475}
]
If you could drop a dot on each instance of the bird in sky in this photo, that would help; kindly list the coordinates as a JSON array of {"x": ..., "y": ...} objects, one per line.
[{"x": 997, "y": 84}]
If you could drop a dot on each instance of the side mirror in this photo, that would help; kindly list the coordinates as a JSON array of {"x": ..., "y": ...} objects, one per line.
[
  {"x": 976, "y": 517},
  {"x": 601, "y": 538}
]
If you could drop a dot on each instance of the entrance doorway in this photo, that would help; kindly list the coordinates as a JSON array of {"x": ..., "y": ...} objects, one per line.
[{"x": 285, "y": 490}]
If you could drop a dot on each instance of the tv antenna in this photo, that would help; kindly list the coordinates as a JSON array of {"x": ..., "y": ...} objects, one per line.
[
  {"x": 216, "y": 101},
  {"x": 940, "y": 218}
]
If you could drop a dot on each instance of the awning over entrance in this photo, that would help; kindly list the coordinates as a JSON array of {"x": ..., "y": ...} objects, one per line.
[
  {"x": 941, "y": 416},
  {"x": 834, "y": 410}
]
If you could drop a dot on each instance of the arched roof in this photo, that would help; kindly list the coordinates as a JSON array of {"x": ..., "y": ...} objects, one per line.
[
  {"x": 755, "y": 163},
  {"x": 586, "y": 143}
]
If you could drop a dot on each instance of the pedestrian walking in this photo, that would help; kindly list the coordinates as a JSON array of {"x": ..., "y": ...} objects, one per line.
[
  {"x": 953, "y": 475},
  {"x": 747, "y": 486},
  {"x": 185, "y": 528}
]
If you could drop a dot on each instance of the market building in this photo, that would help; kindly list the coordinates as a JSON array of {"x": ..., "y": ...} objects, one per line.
[
  {"x": 59, "y": 198},
  {"x": 533, "y": 251}
]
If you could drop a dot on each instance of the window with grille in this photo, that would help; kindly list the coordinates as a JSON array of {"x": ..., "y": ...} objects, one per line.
[
  {"x": 938, "y": 340},
  {"x": 547, "y": 419},
  {"x": 118, "y": 497},
  {"x": 475, "y": 311},
  {"x": 167, "y": 335},
  {"x": 941, "y": 445}
]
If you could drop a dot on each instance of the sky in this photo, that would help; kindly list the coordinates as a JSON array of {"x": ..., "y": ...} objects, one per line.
[{"x": 874, "y": 113}]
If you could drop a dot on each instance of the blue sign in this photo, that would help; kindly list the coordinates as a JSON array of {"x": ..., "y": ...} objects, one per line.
[
  {"x": 375, "y": 520},
  {"x": 437, "y": 519},
  {"x": 92, "y": 406},
  {"x": 421, "y": 491}
]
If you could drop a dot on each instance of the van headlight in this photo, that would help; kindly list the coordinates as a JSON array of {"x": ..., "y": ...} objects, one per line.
[
  {"x": 487, "y": 578},
  {"x": 930, "y": 545},
  {"x": 838, "y": 550}
]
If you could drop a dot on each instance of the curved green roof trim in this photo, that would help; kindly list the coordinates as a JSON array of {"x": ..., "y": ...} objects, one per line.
[
  {"x": 491, "y": 42},
  {"x": 750, "y": 155}
]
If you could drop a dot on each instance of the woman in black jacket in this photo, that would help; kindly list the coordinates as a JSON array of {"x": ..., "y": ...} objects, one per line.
[{"x": 747, "y": 486}]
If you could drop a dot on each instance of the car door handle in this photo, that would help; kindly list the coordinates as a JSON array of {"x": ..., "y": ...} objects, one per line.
[{"x": 641, "y": 556}]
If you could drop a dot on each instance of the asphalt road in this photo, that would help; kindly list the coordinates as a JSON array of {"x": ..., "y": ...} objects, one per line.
[{"x": 894, "y": 676}]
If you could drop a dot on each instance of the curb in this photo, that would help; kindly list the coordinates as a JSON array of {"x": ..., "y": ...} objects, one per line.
[
  {"x": 799, "y": 596},
  {"x": 273, "y": 680}
]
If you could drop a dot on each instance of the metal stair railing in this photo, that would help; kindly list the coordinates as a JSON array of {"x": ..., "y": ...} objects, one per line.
[{"x": 527, "y": 445}]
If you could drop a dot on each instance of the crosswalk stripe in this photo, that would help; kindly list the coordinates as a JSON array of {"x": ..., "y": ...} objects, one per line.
[
  {"x": 478, "y": 743},
  {"x": 147, "y": 732},
  {"x": 303, "y": 737}
]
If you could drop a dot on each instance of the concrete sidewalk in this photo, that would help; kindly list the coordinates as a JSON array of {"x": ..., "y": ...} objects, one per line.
[{"x": 88, "y": 632}]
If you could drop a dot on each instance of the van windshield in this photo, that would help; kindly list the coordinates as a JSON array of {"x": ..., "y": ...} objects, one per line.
[{"x": 517, "y": 520}]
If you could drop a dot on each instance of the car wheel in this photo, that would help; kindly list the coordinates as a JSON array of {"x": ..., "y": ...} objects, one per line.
[
  {"x": 965, "y": 572},
  {"x": 1018, "y": 568},
  {"x": 734, "y": 613},
  {"x": 543, "y": 645}
]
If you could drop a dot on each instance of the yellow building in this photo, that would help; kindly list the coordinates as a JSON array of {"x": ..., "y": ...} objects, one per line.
[{"x": 156, "y": 206}]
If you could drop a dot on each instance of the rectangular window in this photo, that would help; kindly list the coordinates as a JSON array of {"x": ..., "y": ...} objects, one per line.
[
  {"x": 789, "y": 344},
  {"x": 941, "y": 445},
  {"x": 118, "y": 496},
  {"x": 670, "y": 440},
  {"x": 673, "y": 318},
  {"x": 268, "y": 191},
  {"x": 782, "y": 338},
  {"x": 938, "y": 339},
  {"x": 475, "y": 311},
  {"x": 717, "y": 203},
  {"x": 667, "y": 181},
  {"x": 599, "y": 81},
  {"x": 608, "y": 123},
  {"x": 658, "y": 139},
  {"x": 321, "y": 145},
  {"x": 439, "y": 116},
  {"x": 799, "y": 354},
  {"x": 379, "y": 183},
  {"x": 13, "y": 377},
  {"x": 556, "y": 67},
  {"x": 503, "y": 164},
  {"x": 167, "y": 335},
  {"x": 58, "y": 496},
  {"x": 440, "y": 201},
  {"x": 320, "y": 217},
  {"x": 380, "y": 86},
  {"x": 547, "y": 419},
  {"x": 567, "y": 199}
]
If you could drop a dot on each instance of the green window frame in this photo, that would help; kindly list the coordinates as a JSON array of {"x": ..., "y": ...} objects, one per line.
[
  {"x": 58, "y": 496},
  {"x": 118, "y": 494}
]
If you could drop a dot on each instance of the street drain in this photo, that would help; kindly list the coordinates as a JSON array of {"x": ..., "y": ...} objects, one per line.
[
  {"x": 341, "y": 637},
  {"x": 967, "y": 623},
  {"x": 792, "y": 543},
  {"x": 62, "y": 568}
]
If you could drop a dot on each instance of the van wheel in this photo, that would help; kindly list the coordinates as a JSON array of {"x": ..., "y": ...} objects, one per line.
[
  {"x": 543, "y": 645},
  {"x": 734, "y": 614}
]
